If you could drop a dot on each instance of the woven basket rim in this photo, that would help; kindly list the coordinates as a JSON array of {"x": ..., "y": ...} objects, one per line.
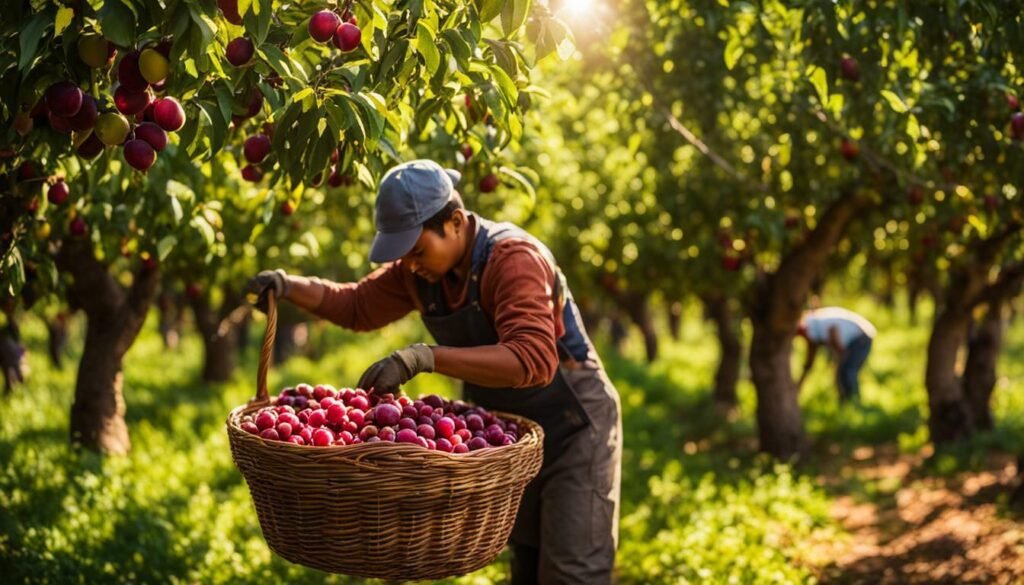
[{"x": 534, "y": 436}]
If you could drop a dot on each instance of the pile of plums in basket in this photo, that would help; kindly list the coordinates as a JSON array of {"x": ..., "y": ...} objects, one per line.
[{"x": 322, "y": 416}]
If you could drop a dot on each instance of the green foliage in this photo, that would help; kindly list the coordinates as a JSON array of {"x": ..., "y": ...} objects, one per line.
[{"x": 416, "y": 63}]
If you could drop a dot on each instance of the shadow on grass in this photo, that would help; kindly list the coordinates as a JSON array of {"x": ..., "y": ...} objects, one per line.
[
  {"x": 908, "y": 567},
  {"x": 865, "y": 424},
  {"x": 140, "y": 548}
]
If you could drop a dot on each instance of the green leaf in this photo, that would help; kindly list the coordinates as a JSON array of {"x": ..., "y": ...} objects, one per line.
[
  {"x": 396, "y": 54},
  {"x": 63, "y": 19},
  {"x": 176, "y": 209},
  {"x": 164, "y": 246},
  {"x": 283, "y": 128},
  {"x": 426, "y": 47},
  {"x": 257, "y": 21},
  {"x": 205, "y": 28},
  {"x": 178, "y": 191},
  {"x": 28, "y": 39},
  {"x": 489, "y": 9},
  {"x": 200, "y": 145},
  {"x": 311, "y": 243},
  {"x": 895, "y": 102},
  {"x": 337, "y": 114},
  {"x": 458, "y": 47},
  {"x": 513, "y": 15},
  {"x": 283, "y": 64},
  {"x": 505, "y": 83},
  {"x": 356, "y": 129},
  {"x": 321, "y": 154},
  {"x": 819, "y": 79},
  {"x": 302, "y": 94},
  {"x": 217, "y": 123},
  {"x": 298, "y": 143},
  {"x": 118, "y": 23},
  {"x": 522, "y": 180},
  {"x": 913, "y": 127},
  {"x": 206, "y": 230},
  {"x": 186, "y": 136},
  {"x": 504, "y": 56},
  {"x": 733, "y": 49},
  {"x": 835, "y": 104},
  {"x": 373, "y": 116},
  {"x": 268, "y": 213},
  {"x": 14, "y": 266},
  {"x": 426, "y": 110},
  {"x": 224, "y": 99},
  {"x": 979, "y": 224}
]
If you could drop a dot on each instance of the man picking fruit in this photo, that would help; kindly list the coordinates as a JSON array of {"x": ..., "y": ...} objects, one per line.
[
  {"x": 506, "y": 324},
  {"x": 849, "y": 337}
]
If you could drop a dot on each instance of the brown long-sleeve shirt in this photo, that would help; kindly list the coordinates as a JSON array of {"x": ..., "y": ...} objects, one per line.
[{"x": 516, "y": 291}]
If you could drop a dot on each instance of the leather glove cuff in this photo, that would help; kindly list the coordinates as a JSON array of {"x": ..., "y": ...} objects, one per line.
[{"x": 416, "y": 358}]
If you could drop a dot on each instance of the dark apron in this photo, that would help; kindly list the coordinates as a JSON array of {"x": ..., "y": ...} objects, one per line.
[{"x": 555, "y": 407}]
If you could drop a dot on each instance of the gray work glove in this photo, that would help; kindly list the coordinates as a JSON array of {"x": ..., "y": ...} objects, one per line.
[
  {"x": 398, "y": 368},
  {"x": 264, "y": 282}
]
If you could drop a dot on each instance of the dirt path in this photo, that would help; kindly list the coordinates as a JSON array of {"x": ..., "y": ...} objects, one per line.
[{"x": 908, "y": 526}]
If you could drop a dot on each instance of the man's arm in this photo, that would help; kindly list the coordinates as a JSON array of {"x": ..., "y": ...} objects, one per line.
[
  {"x": 378, "y": 299},
  {"x": 304, "y": 292},
  {"x": 835, "y": 341},
  {"x": 812, "y": 351},
  {"x": 491, "y": 366}
]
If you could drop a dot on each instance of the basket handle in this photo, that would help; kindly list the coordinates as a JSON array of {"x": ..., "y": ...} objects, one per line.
[{"x": 268, "y": 349}]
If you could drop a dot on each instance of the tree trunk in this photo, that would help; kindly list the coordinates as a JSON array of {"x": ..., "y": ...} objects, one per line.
[
  {"x": 172, "y": 318},
  {"x": 97, "y": 415},
  {"x": 637, "y": 307},
  {"x": 57, "y": 328},
  {"x": 950, "y": 417},
  {"x": 244, "y": 327},
  {"x": 888, "y": 293},
  {"x": 284, "y": 342},
  {"x": 675, "y": 319},
  {"x": 219, "y": 330},
  {"x": 617, "y": 331},
  {"x": 219, "y": 357},
  {"x": 114, "y": 318},
  {"x": 913, "y": 291},
  {"x": 1017, "y": 495},
  {"x": 980, "y": 372},
  {"x": 728, "y": 373},
  {"x": 12, "y": 355},
  {"x": 779, "y": 421},
  {"x": 778, "y": 302}
]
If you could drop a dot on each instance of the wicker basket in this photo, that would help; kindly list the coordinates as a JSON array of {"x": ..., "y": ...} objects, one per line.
[{"x": 383, "y": 510}]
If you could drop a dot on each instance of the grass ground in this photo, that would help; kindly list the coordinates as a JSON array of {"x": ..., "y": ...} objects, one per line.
[{"x": 872, "y": 504}]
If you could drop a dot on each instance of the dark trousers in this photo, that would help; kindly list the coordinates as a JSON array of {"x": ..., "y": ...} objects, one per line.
[
  {"x": 853, "y": 359},
  {"x": 575, "y": 510}
]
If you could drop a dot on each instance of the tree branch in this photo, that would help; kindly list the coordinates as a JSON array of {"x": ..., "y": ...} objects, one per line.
[
  {"x": 1006, "y": 285},
  {"x": 704, "y": 149},
  {"x": 142, "y": 291},
  {"x": 804, "y": 262}
]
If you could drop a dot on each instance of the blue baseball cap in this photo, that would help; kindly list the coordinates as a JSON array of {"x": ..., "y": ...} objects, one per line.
[{"x": 409, "y": 195}]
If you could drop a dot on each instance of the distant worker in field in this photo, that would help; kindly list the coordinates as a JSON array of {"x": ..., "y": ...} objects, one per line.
[{"x": 849, "y": 337}]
